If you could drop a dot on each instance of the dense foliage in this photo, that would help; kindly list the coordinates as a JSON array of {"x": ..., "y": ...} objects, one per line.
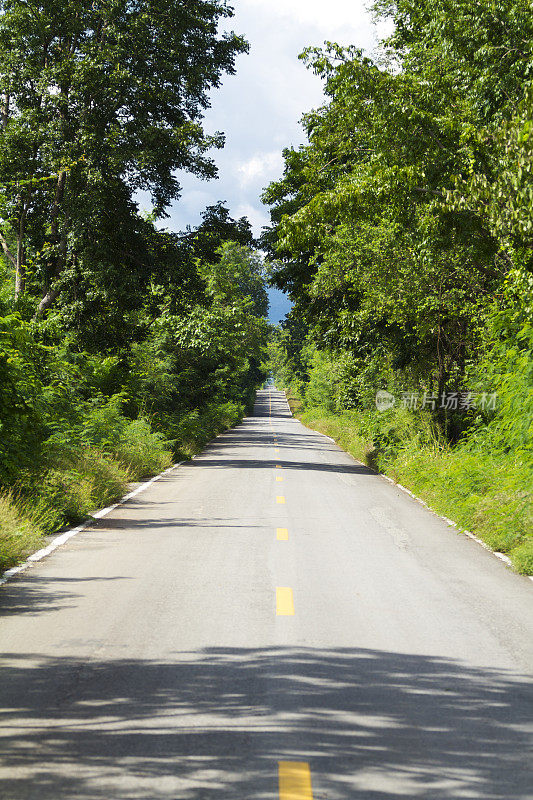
[
  {"x": 403, "y": 232},
  {"x": 123, "y": 346}
]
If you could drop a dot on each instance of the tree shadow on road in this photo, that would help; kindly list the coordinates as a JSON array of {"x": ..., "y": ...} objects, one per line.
[
  {"x": 373, "y": 725},
  {"x": 32, "y": 595},
  {"x": 254, "y": 463}
]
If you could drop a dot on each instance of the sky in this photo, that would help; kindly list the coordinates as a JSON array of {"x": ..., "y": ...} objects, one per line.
[{"x": 259, "y": 107}]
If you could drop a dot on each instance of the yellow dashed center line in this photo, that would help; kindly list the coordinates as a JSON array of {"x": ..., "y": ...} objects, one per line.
[
  {"x": 279, "y": 478},
  {"x": 282, "y": 534},
  {"x": 294, "y": 780},
  {"x": 284, "y": 602},
  {"x": 280, "y": 499}
]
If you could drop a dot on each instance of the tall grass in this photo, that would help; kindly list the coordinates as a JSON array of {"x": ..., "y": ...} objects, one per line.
[{"x": 19, "y": 534}]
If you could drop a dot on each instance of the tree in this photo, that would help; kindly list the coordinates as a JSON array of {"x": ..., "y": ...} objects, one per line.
[
  {"x": 99, "y": 100},
  {"x": 238, "y": 275},
  {"x": 381, "y": 260},
  {"x": 499, "y": 191},
  {"x": 217, "y": 227}
]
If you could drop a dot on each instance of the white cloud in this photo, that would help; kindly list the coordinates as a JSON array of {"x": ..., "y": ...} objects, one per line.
[
  {"x": 327, "y": 15},
  {"x": 260, "y": 167},
  {"x": 259, "y": 107}
]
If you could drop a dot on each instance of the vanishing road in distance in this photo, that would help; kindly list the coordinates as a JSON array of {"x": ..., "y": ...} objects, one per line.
[{"x": 270, "y": 620}]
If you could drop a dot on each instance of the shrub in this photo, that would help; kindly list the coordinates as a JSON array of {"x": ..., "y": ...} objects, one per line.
[
  {"x": 141, "y": 450},
  {"x": 91, "y": 481},
  {"x": 194, "y": 429},
  {"x": 103, "y": 425}
]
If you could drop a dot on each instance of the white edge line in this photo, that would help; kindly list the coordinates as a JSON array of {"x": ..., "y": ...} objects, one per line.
[
  {"x": 455, "y": 525},
  {"x": 64, "y": 537},
  {"x": 449, "y": 521},
  {"x": 305, "y": 426},
  {"x": 327, "y": 437},
  {"x": 288, "y": 406}
]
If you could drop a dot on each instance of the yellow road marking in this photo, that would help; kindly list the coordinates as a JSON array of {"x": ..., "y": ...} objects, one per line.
[
  {"x": 278, "y": 466},
  {"x": 294, "y": 780},
  {"x": 282, "y": 534},
  {"x": 276, "y": 449},
  {"x": 279, "y": 478},
  {"x": 284, "y": 602},
  {"x": 280, "y": 499}
]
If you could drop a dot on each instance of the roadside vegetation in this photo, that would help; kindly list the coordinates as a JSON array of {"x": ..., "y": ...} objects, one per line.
[
  {"x": 123, "y": 346},
  {"x": 403, "y": 233}
]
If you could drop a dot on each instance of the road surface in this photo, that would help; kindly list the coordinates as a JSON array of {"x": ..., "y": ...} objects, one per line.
[{"x": 271, "y": 620}]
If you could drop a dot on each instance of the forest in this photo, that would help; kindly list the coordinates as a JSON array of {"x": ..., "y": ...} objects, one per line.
[
  {"x": 124, "y": 346},
  {"x": 403, "y": 233}
]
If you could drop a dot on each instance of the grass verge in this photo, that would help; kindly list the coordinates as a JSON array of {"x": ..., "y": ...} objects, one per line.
[{"x": 19, "y": 534}]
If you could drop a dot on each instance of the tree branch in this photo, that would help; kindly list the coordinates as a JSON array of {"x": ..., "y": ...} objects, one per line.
[
  {"x": 47, "y": 301},
  {"x": 7, "y": 251},
  {"x": 429, "y": 191}
]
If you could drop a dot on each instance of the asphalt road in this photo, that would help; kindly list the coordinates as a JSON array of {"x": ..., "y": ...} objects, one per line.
[{"x": 271, "y": 620}]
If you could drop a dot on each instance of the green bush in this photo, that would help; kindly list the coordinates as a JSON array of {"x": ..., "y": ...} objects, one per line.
[
  {"x": 133, "y": 443},
  {"x": 141, "y": 450},
  {"x": 484, "y": 493},
  {"x": 324, "y": 380},
  {"x": 345, "y": 428},
  {"x": 85, "y": 484},
  {"x": 103, "y": 424},
  {"x": 195, "y": 429}
]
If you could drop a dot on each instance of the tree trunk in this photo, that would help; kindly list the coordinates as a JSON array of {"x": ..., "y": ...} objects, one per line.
[
  {"x": 20, "y": 271},
  {"x": 56, "y": 267},
  {"x": 4, "y": 111},
  {"x": 48, "y": 299},
  {"x": 20, "y": 268}
]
